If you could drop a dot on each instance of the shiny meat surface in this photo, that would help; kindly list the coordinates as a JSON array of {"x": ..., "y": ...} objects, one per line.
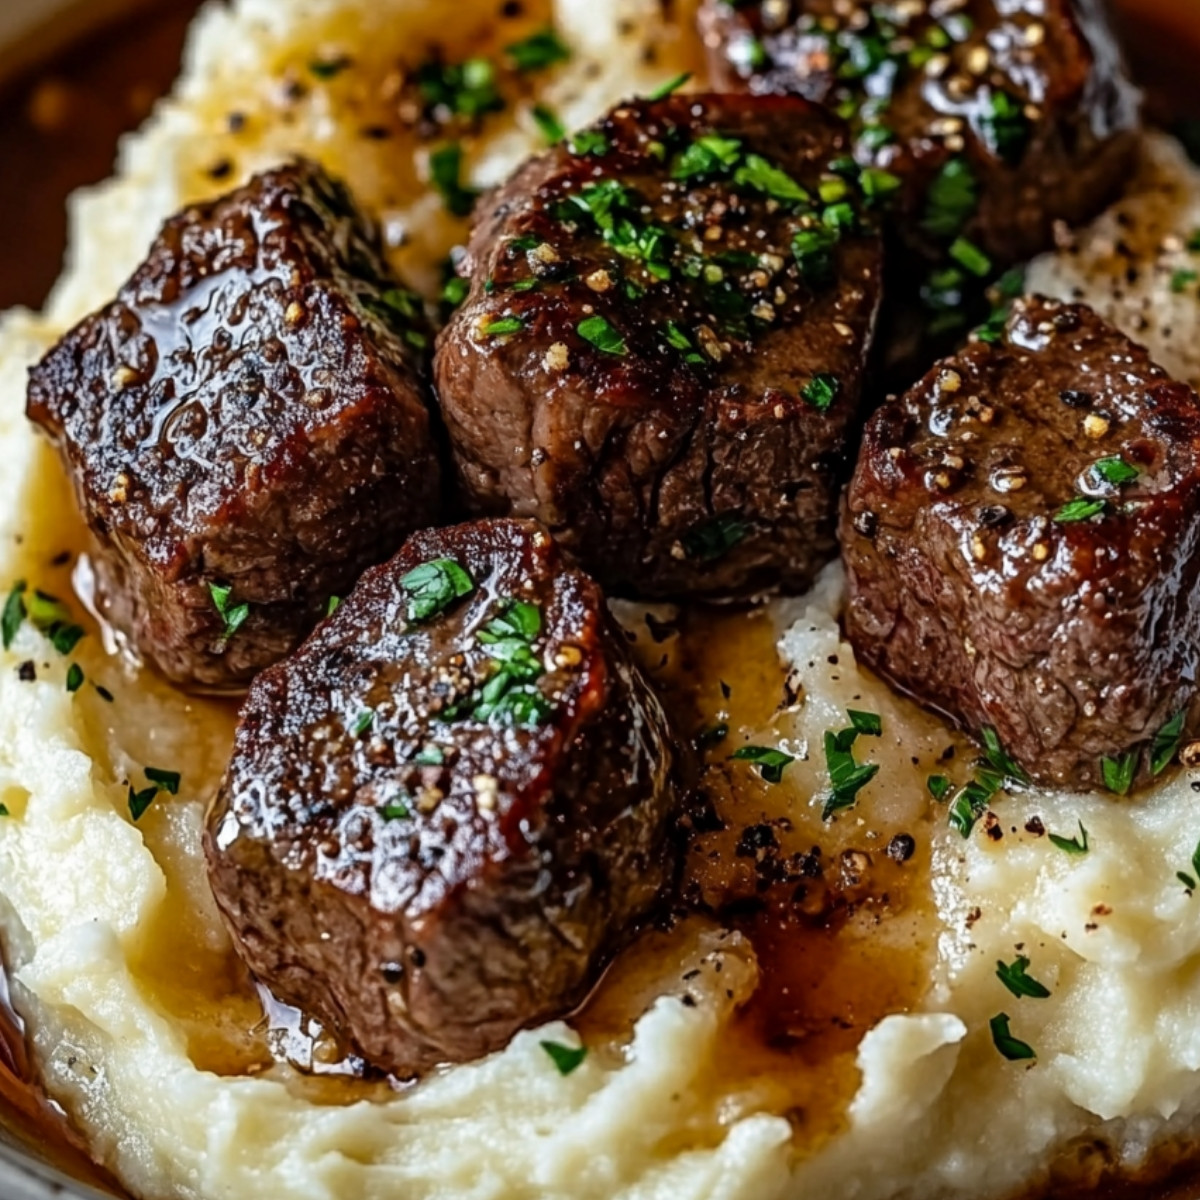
[
  {"x": 1001, "y": 117},
  {"x": 1022, "y": 537},
  {"x": 246, "y": 425},
  {"x": 451, "y": 806},
  {"x": 664, "y": 344}
]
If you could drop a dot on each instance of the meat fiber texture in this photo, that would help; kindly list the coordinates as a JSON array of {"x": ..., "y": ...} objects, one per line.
[{"x": 96, "y": 908}]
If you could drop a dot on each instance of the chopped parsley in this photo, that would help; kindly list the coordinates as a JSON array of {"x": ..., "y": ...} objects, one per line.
[
  {"x": 431, "y": 756},
  {"x": 233, "y": 617},
  {"x": 445, "y": 173},
  {"x": 846, "y": 777},
  {"x": 878, "y": 186},
  {"x": 589, "y": 141},
  {"x": 971, "y": 802},
  {"x": 565, "y": 1058},
  {"x": 939, "y": 787},
  {"x": 454, "y": 291},
  {"x": 1014, "y": 976},
  {"x": 680, "y": 341},
  {"x": 1076, "y": 846},
  {"x": 602, "y": 335},
  {"x": 395, "y": 810},
  {"x": 1183, "y": 279},
  {"x": 538, "y": 51},
  {"x": 1166, "y": 744},
  {"x": 4, "y": 811},
  {"x": 968, "y": 255},
  {"x": 1115, "y": 470},
  {"x": 1080, "y": 509},
  {"x": 771, "y": 762},
  {"x": 821, "y": 391},
  {"x": 75, "y": 678},
  {"x": 715, "y": 538},
  {"x": 332, "y": 605},
  {"x": 1001, "y": 294},
  {"x": 160, "y": 781},
  {"x": 813, "y": 250},
  {"x": 760, "y": 175},
  {"x": 1189, "y": 881},
  {"x": 951, "y": 201},
  {"x": 670, "y": 87},
  {"x": 467, "y": 89},
  {"x": 13, "y": 615},
  {"x": 434, "y": 586},
  {"x": 869, "y": 724},
  {"x": 1118, "y": 773},
  {"x": 1006, "y": 128},
  {"x": 502, "y": 327},
  {"x": 547, "y": 121},
  {"x": 1010, "y": 1047},
  {"x": 999, "y": 758},
  {"x": 363, "y": 721},
  {"x": 708, "y": 155}
]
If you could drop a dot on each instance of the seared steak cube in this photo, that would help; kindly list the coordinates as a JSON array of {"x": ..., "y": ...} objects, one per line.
[
  {"x": 450, "y": 807},
  {"x": 1000, "y": 118},
  {"x": 246, "y": 425},
  {"x": 664, "y": 342},
  {"x": 1022, "y": 537}
]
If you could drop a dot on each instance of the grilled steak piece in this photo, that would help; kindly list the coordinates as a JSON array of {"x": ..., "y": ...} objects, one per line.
[
  {"x": 1022, "y": 537},
  {"x": 451, "y": 805},
  {"x": 246, "y": 424},
  {"x": 999, "y": 118},
  {"x": 664, "y": 342}
]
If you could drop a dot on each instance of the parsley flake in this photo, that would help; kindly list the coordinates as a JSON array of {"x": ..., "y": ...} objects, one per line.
[
  {"x": 869, "y": 724},
  {"x": 1115, "y": 470},
  {"x": 1181, "y": 280},
  {"x": 13, "y": 615},
  {"x": 538, "y": 51},
  {"x": 999, "y": 758},
  {"x": 968, "y": 255},
  {"x": 1080, "y": 509},
  {"x": 1166, "y": 744},
  {"x": 1014, "y": 977},
  {"x": 165, "y": 781},
  {"x": 1118, "y": 773},
  {"x": 771, "y": 762},
  {"x": 363, "y": 722},
  {"x": 714, "y": 539},
  {"x": 434, "y": 586},
  {"x": 951, "y": 201},
  {"x": 233, "y": 617},
  {"x": 1006, "y": 128},
  {"x": 821, "y": 391},
  {"x": 707, "y": 155},
  {"x": 502, "y": 327},
  {"x": 670, "y": 87},
  {"x": 548, "y": 123},
  {"x": 1075, "y": 846},
  {"x": 395, "y": 810},
  {"x": 760, "y": 175},
  {"x": 939, "y": 787},
  {"x": 589, "y": 141},
  {"x": 847, "y": 777},
  {"x": 445, "y": 173},
  {"x": 75, "y": 678},
  {"x": 332, "y": 605},
  {"x": 1010, "y": 1047},
  {"x": 601, "y": 334},
  {"x": 565, "y": 1058}
]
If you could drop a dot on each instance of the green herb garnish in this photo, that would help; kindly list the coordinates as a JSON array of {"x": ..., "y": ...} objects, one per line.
[
  {"x": 715, "y": 538},
  {"x": 1118, "y": 773},
  {"x": 166, "y": 781},
  {"x": 1012, "y": 1048},
  {"x": 13, "y": 615},
  {"x": 770, "y": 762},
  {"x": 445, "y": 173},
  {"x": 75, "y": 678},
  {"x": 589, "y": 141},
  {"x": 467, "y": 89},
  {"x": 680, "y": 341},
  {"x": 551, "y": 127},
  {"x": 1074, "y": 846},
  {"x": 539, "y": 51},
  {"x": 939, "y": 787},
  {"x": 999, "y": 758},
  {"x": 565, "y": 1058},
  {"x": 1006, "y": 128},
  {"x": 1166, "y": 744},
  {"x": 502, "y": 327},
  {"x": 601, "y": 334},
  {"x": 233, "y": 617},
  {"x": 670, "y": 87},
  {"x": 821, "y": 391},
  {"x": 847, "y": 777},
  {"x": 1115, "y": 470},
  {"x": 1080, "y": 509},
  {"x": 968, "y": 255},
  {"x": 814, "y": 251},
  {"x": 756, "y": 172},
  {"x": 395, "y": 810},
  {"x": 868, "y": 724},
  {"x": 707, "y": 155},
  {"x": 434, "y": 586},
  {"x": 363, "y": 722},
  {"x": 1014, "y": 977},
  {"x": 951, "y": 201}
]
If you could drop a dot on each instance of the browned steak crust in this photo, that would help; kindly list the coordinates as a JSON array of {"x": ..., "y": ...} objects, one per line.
[
  {"x": 250, "y": 414},
  {"x": 444, "y": 813},
  {"x": 1022, "y": 537},
  {"x": 663, "y": 346}
]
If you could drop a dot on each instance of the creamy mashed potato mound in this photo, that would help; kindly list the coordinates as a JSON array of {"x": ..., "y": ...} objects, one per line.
[{"x": 127, "y": 979}]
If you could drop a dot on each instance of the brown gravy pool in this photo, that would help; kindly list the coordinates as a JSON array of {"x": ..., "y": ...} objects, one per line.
[{"x": 794, "y": 1043}]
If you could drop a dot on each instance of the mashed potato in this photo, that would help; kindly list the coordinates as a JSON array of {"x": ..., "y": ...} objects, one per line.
[{"x": 144, "y": 1025}]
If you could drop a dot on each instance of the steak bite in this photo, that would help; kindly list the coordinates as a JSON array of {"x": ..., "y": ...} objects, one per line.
[
  {"x": 664, "y": 343},
  {"x": 451, "y": 806},
  {"x": 1022, "y": 537},
  {"x": 246, "y": 425},
  {"x": 999, "y": 118}
]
